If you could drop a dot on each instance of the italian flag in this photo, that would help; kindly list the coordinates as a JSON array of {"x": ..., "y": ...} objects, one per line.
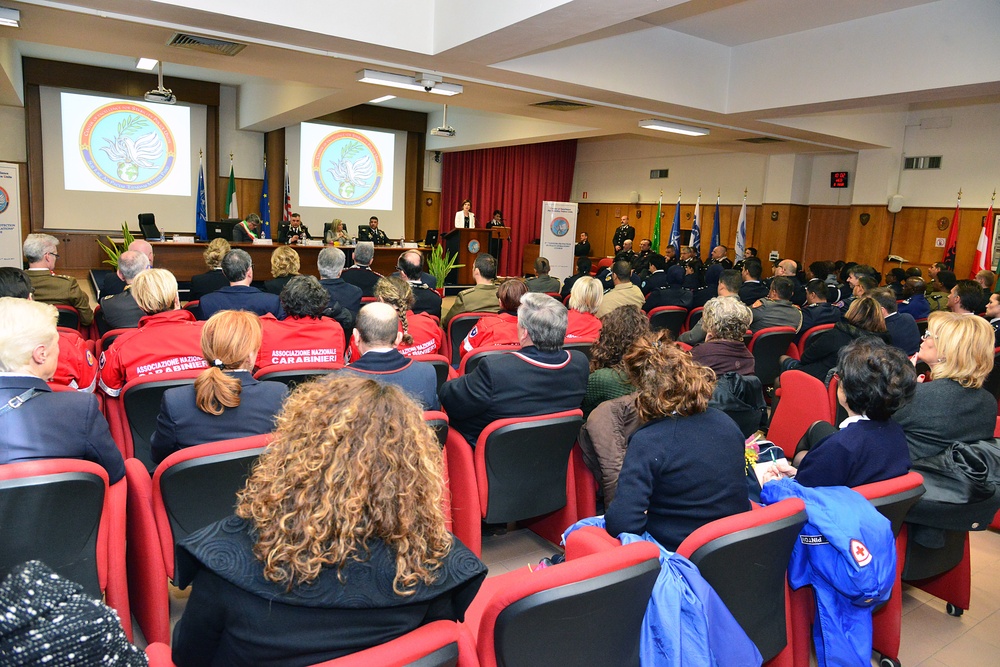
[{"x": 231, "y": 196}]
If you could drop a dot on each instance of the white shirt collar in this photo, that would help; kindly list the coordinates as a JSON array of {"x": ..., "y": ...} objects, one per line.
[{"x": 850, "y": 420}]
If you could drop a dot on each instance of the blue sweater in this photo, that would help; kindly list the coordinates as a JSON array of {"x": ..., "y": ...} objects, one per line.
[
  {"x": 864, "y": 451},
  {"x": 680, "y": 473}
]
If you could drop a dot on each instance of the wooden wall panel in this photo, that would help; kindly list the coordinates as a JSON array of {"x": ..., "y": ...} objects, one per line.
[
  {"x": 247, "y": 199},
  {"x": 825, "y": 234},
  {"x": 593, "y": 219},
  {"x": 868, "y": 244},
  {"x": 787, "y": 234},
  {"x": 429, "y": 214}
]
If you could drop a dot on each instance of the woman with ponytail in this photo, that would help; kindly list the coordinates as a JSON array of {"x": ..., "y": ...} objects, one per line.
[
  {"x": 225, "y": 400},
  {"x": 421, "y": 332}
]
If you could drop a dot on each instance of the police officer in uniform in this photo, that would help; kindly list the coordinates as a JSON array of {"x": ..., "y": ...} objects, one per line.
[
  {"x": 624, "y": 231},
  {"x": 479, "y": 299}
]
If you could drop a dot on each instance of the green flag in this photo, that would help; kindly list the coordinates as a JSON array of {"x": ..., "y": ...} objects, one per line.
[
  {"x": 656, "y": 226},
  {"x": 231, "y": 195}
]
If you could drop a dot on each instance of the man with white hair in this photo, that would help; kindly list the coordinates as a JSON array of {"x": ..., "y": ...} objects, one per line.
[
  {"x": 360, "y": 274},
  {"x": 39, "y": 423},
  {"x": 40, "y": 250},
  {"x": 113, "y": 283},
  {"x": 331, "y": 266},
  {"x": 120, "y": 311},
  {"x": 539, "y": 378}
]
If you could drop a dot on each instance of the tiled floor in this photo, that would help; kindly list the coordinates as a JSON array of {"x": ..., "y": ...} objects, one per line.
[{"x": 930, "y": 638}]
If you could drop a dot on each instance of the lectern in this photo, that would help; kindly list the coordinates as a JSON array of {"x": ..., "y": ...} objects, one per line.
[{"x": 467, "y": 243}]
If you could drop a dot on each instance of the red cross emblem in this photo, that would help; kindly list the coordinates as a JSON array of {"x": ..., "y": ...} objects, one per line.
[{"x": 860, "y": 553}]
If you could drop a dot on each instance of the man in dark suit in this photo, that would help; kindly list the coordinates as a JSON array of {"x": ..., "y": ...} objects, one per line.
[
  {"x": 539, "y": 378},
  {"x": 900, "y": 326},
  {"x": 373, "y": 233},
  {"x": 46, "y": 424},
  {"x": 720, "y": 255},
  {"x": 426, "y": 300},
  {"x": 657, "y": 270},
  {"x": 624, "y": 232},
  {"x": 247, "y": 230},
  {"x": 293, "y": 231},
  {"x": 377, "y": 334},
  {"x": 120, "y": 311},
  {"x": 331, "y": 264},
  {"x": 112, "y": 283},
  {"x": 753, "y": 289},
  {"x": 993, "y": 315},
  {"x": 583, "y": 266},
  {"x": 238, "y": 269},
  {"x": 817, "y": 310},
  {"x": 582, "y": 248},
  {"x": 360, "y": 274}
]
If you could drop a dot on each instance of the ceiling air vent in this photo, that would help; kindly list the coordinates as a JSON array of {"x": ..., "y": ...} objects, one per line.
[
  {"x": 183, "y": 40},
  {"x": 762, "y": 140},
  {"x": 924, "y": 162},
  {"x": 562, "y": 105}
]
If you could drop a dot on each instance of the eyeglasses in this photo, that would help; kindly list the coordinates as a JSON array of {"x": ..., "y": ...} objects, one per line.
[
  {"x": 54, "y": 254},
  {"x": 926, "y": 335}
]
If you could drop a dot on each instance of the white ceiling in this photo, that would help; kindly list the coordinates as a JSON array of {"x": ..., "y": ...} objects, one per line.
[{"x": 806, "y": 71}]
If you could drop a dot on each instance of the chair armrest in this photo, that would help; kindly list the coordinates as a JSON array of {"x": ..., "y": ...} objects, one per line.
[
  {"x": 159, "y": 655},
  {"x": 589, "y": 540}
]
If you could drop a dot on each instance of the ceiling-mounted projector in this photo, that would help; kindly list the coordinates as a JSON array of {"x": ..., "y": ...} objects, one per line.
[
  {"x": 160, "y": 94},
  {"x": 445, "y": 130}
]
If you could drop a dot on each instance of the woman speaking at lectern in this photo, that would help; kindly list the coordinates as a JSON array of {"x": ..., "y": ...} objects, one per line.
[{"x": 465, "y": 219}]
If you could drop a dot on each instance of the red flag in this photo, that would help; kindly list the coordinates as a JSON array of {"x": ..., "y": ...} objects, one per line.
[
  {"x": 984, "y": 250},
  {"x": 951, "y": 248}
]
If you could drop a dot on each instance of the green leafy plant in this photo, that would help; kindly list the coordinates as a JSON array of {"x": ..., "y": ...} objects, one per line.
[
  {"x": 440, "y": 264},
  {"x": 113, "y": 251}
]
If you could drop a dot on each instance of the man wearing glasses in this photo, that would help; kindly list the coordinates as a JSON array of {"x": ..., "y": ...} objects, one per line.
[{"x": 40, "y": 250}]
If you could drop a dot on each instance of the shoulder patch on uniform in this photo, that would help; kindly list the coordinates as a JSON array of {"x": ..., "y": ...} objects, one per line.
[
  {"x": 90, "y": 358},
  {"x": 103, "y": 360}
]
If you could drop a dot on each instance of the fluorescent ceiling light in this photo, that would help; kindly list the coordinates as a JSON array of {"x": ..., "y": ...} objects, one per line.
[
  {"x": 10, "y": 17},
  {"x": 427, "y": 83},
  {"x": 676, "y": 128},
  {"x": 147, "y": 64},
  {"x": 384, "y": 98}
]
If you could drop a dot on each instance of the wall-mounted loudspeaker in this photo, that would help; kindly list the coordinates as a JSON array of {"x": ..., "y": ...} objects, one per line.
[
  {"x": 895, "y": 203},
  {"x": 633, "y": 197}
]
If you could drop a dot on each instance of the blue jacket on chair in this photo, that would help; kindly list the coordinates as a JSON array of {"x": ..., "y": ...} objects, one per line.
[{"x": 847, "y": 553}]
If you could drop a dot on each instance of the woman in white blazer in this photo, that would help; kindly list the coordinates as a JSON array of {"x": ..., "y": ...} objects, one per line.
[{"x": 465, "y": 217}]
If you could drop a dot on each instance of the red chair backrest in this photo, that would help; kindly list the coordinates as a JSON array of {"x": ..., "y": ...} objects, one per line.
[
  {"x": 668, "y": 317},
  {"x": 458, "y": 328},
  {"x": 761, "y": 542},
  {"x": 894, "y": 497},
  {"x": 766, "y": 346},
  {"x": 140, "y": 404},
  {"x": 295, "y": 374},
  {"x": 431, "y": 645},
  {"x": 812, "y": 334},
  {"x": 693, "y": 318},
  {"x": 472, "y": 359},
  {"x": 197, "y": 486},
  {"x": 802, "y": 400},
  {"x": 521, "y": 465}
]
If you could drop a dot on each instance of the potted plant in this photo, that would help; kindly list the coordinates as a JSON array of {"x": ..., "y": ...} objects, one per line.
[
  {"x": 440, "y": 265},
  {"x": 113, "y": 251}
]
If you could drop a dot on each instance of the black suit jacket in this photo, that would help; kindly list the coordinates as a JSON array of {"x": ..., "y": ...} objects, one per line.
[
  {"x": 120, "y": 311},
  {"x": 56, "y": 425},
  {"x": 525, "y": 383},
  {"x": 347, "y": 295},
  {"x": 284, "y": 231},
  {"x": 904, "y": 332},
  {"x": 363, "y": 278},
  {"x": 240, "y": 297},
  {"x": 181, "y": 424},
  {"x": 112, "y": 284},
  {"x": 206, "y": 283},
  {"x": 750, "y": 292},
  {"x": 426, "y": 300}
]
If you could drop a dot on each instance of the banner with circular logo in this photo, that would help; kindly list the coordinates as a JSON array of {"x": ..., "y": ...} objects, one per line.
[
  {"x": 345, "y": 167},
  {"x": 127, "y": 146}
]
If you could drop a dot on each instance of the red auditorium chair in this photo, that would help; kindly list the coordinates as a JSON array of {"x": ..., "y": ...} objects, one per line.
[
  {"x": 766, "y": 346},
  {"x": 107, "y": 339},
  {"x": 437, "y": 644},
  {"x": 693, "y": 318},
  {"x": 69, "y": 317},
  {"x": 603, "y": 263},
  {"x": 190, "y": 489},
  {"x": 893, "y": 498},
  {"x": 458, "y": 328},
  {"x": 521, "y": 468},
  {"x": 138, "y": 406},
  {"x": 801, "y": 400},
  {"x": 811, "y": 335},
  {"x": 472, "y": 359},
  {"x": 442, "y": 366},
  {"x": 586, "y": 611},
  {"x": 295, "y": 374},
  {"x": 760, "y": 542},
  {"x": 668, "y": 317},
  {"x": 580, "y": 346},
  {"x": 64, "y": 513}
]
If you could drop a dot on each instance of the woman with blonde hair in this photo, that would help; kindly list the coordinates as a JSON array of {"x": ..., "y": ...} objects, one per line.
[
  {"x": 338, "y": 543},
  {"x": 225, "y": 400},
  {"x": 338, "y": 233},
  {"x": 285, "y": 265},
  {"x": 422, "y": 334},
  {"x": 213, "y": 279},
  {"x": 954, "y": 407},
  {"x": 584, "y": 299},
  {"x": 684, "y": 466}
]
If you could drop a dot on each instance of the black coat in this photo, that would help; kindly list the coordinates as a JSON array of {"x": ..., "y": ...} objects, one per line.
[{"x": 240, "y": 297}]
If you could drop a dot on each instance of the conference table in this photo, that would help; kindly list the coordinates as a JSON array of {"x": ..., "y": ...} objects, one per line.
[{"x": 185, "y": 259}]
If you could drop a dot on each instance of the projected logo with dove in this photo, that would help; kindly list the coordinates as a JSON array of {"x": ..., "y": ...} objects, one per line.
[
  {"x": 347, "y": 168},
  {"x": 127, "y": 146}
]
